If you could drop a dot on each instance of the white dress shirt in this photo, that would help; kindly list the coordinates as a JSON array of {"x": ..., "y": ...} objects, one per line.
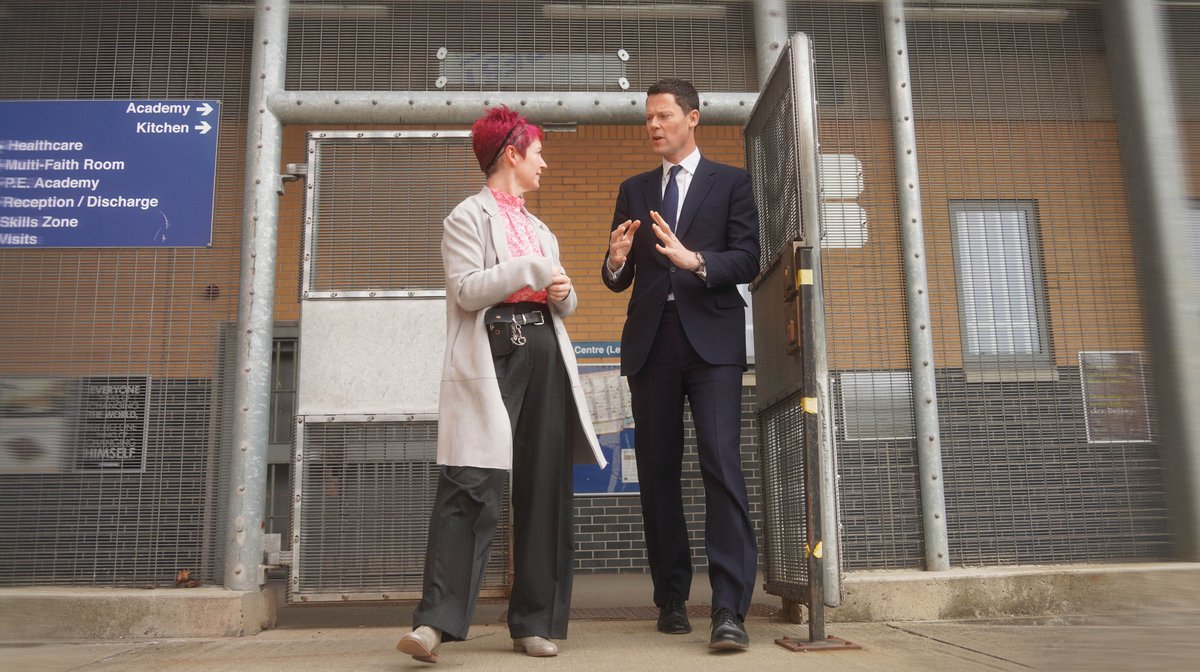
[{"x": 683, "y": 180}]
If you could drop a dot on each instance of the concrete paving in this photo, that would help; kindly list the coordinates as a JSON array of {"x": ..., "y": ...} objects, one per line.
[
  {"x": 634, "y": 646},
  {"x": 1160, "y": 636}
]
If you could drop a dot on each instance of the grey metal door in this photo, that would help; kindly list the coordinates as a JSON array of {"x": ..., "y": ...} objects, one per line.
[{"x": 372, "y": 335}]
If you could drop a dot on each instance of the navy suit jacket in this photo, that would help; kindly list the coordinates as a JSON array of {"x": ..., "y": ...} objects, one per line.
[{"x": 719, "y": 220}]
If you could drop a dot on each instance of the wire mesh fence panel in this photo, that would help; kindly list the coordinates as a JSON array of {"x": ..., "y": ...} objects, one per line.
[
  {"x": 1048, "y": 429},
  {"x": 379, "y": 204},
  {"x": 523, "y": 45},
  {"x": 368, "y": 489},
  {"x": 113, "y": 468},
  {"x": 1036, "y": 324},
  {"x": 863, "y": 287}
]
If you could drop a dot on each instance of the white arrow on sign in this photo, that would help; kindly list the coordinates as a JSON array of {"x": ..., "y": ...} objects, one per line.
[
  {"x": 205, "y": 109},
  {"x": 203, "y": 127}
]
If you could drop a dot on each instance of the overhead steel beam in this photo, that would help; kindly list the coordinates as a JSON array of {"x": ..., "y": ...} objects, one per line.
[{"x": 433, "y": 107}]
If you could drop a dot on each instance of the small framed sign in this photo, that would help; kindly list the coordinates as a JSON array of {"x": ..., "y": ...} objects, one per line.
[{"x": 1115, "y": 405}]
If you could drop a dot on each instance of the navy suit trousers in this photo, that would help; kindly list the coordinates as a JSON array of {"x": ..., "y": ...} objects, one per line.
[{"x": 672, "y": 372}]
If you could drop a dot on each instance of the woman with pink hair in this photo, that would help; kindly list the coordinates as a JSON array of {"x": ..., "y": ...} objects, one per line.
[{"x": 510, "y": 405}]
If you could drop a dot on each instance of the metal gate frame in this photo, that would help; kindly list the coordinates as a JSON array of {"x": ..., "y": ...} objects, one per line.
[
  {"x": 794, "y": 409},
  {"x": 324, "y": 316}
]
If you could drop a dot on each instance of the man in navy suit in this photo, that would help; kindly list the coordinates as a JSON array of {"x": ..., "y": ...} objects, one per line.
[{"x": 684, "y": 235}]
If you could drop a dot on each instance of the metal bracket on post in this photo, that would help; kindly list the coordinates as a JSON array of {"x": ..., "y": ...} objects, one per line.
[
  {"x": 295, "y": 171},
  {"x": 274, "y": 557},
  {"x": 802, "y": 278},
  {"x": 273, "y": 554}
]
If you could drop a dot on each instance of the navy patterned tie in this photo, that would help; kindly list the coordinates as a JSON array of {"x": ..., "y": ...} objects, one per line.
[{"x": 670, "y": 202}]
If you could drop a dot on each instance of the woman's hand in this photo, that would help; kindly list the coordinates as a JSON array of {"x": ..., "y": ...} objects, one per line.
[{"x": 560, "y": 285}]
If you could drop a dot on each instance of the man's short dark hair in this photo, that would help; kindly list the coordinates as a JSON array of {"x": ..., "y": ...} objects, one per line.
[{"x": 685, "y": 94}]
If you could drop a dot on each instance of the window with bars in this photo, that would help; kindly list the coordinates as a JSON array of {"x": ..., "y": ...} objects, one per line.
[
  {"x": 283, "y": 388},
  {"x": 284, "y": 358},
  {"x": 1001, "y": 294}
]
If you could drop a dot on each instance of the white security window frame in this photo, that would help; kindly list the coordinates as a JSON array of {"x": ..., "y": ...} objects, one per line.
[
  {"x": 1003, "y": 319},
  {"x": 865, "y": 394},
  {"x": 312, "y": 227}
]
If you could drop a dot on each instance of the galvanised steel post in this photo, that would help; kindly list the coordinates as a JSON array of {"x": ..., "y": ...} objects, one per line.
[
  {"x": 1154, "y": 176},
  {"x": 929, "y": 446},
  {"x": 770, "y": 35},
  {"x": 256, "y": 303}
]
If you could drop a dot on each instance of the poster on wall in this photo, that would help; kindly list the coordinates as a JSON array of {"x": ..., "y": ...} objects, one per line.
[
  {"x": 35, "y": 426},
  {"x": 607, "y": 396},
  {"x": 113, "y": 423},
  {"x": 1115, "y": 406}
]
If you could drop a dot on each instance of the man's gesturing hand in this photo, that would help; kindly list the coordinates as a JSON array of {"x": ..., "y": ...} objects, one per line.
[
  {"x": 670, "y": 247},
  {"x": 619, "y": 242}
]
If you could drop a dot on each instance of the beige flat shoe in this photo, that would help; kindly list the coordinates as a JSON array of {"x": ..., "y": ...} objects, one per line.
[
  {"x": 422, "y": 644},
  {"x": 538, "y": 647}
]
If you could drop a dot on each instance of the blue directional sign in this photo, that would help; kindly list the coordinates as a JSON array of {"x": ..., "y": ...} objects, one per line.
[
  {"x": 121, "y": 173},
  {"x": 597, "y": 349}
]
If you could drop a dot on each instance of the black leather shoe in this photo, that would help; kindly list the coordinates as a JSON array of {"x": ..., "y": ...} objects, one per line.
[
  {"x": 672, "y": 618},
  {"x": 728, "y": 632}
]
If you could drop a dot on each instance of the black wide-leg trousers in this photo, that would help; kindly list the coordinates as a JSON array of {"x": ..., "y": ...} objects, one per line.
[{"x": 537, "y": 394}]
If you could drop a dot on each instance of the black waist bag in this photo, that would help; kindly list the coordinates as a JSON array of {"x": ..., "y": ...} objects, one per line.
[
  {"x": 503, "y": 325},
  {"x": 498, "y": 322}
]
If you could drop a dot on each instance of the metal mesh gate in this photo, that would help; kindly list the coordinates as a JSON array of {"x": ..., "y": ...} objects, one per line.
[
  {"x": 783, "y": 475},
  {"x": 107, "y": 346},
  {"x": 368, "y": 489},
  {"x": 372, "y": 334},
  {"x": 771, "y": 151},
  {"x": 799, "y": 492}
]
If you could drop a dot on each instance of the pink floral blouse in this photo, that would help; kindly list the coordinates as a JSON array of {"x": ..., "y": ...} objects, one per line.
[{"x": 522, "y": 241}]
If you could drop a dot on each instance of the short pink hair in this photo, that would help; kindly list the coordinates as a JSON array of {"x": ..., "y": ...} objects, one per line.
[{"x": 498, "y": 128}]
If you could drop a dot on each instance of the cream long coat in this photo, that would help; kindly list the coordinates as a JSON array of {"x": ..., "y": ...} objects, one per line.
[{"x": 473, "y": 425}]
